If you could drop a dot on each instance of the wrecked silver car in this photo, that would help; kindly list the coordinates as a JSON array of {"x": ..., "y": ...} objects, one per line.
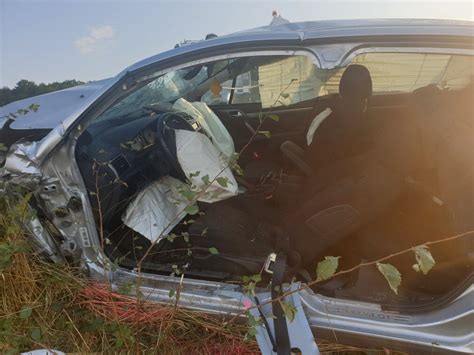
[{"x": 261, "y": 153}]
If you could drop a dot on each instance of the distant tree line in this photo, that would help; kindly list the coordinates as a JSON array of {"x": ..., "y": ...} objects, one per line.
[{"x": 25, "y": 88}]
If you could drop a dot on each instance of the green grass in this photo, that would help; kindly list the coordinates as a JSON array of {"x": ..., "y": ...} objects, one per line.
[{"x": 44, "y": 305}]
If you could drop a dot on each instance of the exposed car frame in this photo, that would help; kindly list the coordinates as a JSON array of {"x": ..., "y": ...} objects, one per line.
[{"x": 48, "y": 166}]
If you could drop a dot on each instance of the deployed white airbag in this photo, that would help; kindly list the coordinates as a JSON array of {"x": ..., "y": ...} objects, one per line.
[
  {"x": 202, "y": 164},
  {"x": 160, "y": 206},
  {"x": 157, "y": 209},
  {"x": 210, "y": 123}
]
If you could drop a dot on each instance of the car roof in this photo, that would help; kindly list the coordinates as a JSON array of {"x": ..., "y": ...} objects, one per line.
[
  {"x": 360, "y": 24},
  {"x": 326, "y": 29},
  {"x": 57, "y": 106}
]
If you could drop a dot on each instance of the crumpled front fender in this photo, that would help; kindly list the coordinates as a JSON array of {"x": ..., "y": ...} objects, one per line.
[
  {"x": 20, "y": 159},
  {"x": 22, "y": 174}
]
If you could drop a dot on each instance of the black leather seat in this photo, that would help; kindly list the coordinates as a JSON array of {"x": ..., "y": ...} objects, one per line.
[{"x": 348, "y": 186}]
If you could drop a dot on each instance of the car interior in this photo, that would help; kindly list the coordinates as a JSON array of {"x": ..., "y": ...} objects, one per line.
[{"x": 418, "y": 116}]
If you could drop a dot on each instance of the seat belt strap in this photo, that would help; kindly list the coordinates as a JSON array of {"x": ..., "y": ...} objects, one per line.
[
  {"x": 282, "y": 337},
  {"x": 265, "y": 322}
]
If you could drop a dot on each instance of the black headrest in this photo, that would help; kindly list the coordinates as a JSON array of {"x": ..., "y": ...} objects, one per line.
[{"x": 356, "y": 83}]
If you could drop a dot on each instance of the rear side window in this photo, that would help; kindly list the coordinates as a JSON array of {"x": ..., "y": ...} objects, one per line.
[
  {"x": 284, "y": 81},
  {"x": 405, "y": 72}
]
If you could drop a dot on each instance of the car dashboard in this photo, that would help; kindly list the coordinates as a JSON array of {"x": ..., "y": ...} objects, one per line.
[{"x": 128, "y": 148}]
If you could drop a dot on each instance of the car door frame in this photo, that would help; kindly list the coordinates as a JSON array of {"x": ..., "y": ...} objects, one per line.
[{"x": 88, "y": 237}]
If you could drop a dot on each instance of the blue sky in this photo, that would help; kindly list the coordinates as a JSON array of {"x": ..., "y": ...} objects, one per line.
[{"x": 51, "y": 40}]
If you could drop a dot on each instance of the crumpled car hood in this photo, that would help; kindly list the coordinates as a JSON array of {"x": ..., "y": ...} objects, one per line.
[{"x": 54, "y": 107}]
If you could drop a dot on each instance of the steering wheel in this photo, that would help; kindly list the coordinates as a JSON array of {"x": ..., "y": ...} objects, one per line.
[{"x": 166, "y": 126}]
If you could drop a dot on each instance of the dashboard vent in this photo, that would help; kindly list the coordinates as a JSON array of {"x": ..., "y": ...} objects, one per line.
[{"x": 120, "y": 164}]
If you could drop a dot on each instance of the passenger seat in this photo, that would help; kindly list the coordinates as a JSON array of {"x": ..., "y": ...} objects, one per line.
[{"x": 332, "y": 125}]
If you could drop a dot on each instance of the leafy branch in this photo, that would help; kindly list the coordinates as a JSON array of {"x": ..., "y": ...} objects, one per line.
[
  {"x": 328, "y": 267},
  {"x": 192, "y": 205},
  {"x": 326, "y": 270},
  {"x": 21, "y": 112},
  {"x": 217, "y": 178},
  {"x": 13, "y": 116}
]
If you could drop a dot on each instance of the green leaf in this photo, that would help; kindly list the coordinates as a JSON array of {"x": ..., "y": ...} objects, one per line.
[
  {"x": 213, "y": 251},
  {"x": 256, "y": 278},
  {"x": 93, "y": 325},
  {"x": 33, "y": 107},
  {"x": 205, "y": 179},
  {"x": 252, "y": 331},
  {"x": 424, "y": 259},
  {"x": 25, "y": 312},
  {"x": 235, "y": 157},
  {"x": 223, "y": 181},
  {"x": 36, "y": 334},
  {"x": 187, "y": 193},
  {"x": 194, "y": 174},
  {"x": 119, "y": 342},
  {"x": 171, "y": 293},
  {"x": 237, "y": 168},
  {"x": 192, "y": 209},
  {"x": 327, "y": 268},
  {"x": 57, "y": 306},
  {"x": 253, "y": 321},
  {"x": 265, "y": 133},
  {"x": 274, "y": 118},
  {"x": 289, "y": 309},
  {"x": 391, "y": 274}
]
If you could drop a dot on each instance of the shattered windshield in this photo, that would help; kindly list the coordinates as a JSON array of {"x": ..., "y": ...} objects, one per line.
[
  {"x": 165, "y": 89},
  {"x": 258, "y": 79}
]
